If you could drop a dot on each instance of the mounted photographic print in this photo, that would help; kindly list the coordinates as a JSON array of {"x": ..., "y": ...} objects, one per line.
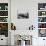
[{"x": 22, "y": 14}]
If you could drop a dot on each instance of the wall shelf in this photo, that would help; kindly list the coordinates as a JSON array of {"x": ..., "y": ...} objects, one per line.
[
  {"x": 3, "y": 16},
  {"x": 3, "y": 22},
  {"x": 41, "y": 22},
  {"x": 41, "y": 28},
  {"x": 3, "y": 10},
  {"x": 42, "y": 19},
  {"x": 42, "y": 10},
  {"x": 4, "y": 19},
  {"x": 42, "y": 16}
]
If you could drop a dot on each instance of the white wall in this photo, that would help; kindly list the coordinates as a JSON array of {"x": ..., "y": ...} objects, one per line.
[
  {"x": 21, "y": 24},
  {"x": 29, "y": 5},
  {"x": 25, "y": 5}
]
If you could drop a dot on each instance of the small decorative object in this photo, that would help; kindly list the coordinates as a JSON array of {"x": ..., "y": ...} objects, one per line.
[
  {"x": 6, "y": 7},
  {"x": 42, "y": 32},
  {"x": 0, "y": 7},
  {"x": 43, "y": 13},
  {"x": 45, "y": 6},
  {"x": 3, "y": 19},
  {"x": 31, "y": 27},
  {"x": 43, "y": 39},
  {"x": 13, "y": 27},
  {"x": 41, "y": 19}
]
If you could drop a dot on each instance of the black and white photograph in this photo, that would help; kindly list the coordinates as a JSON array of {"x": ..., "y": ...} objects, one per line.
[{"x": 22, "y": 14}]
